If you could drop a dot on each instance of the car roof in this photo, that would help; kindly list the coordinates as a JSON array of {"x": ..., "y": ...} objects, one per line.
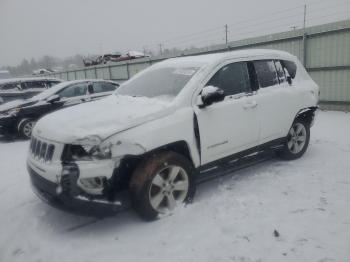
[
  {"x": 25, "y": 79},
  {"x": 89, "y": 80},
  {"x": 201, "y": 60}
]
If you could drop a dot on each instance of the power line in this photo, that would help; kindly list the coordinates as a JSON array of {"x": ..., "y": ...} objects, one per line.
[
  {"x": 195, "y": 37},
  {"x": 195, "y": 33},
  {"x": 218, "y": 31},
  {"x": 244, "y": 25},
  {"x": 336, "y": 14},
  {"x": 218, "y": 28}
]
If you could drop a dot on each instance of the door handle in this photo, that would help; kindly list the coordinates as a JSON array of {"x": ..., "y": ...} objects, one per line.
[
  {"x": 86, "y": 99},
  {"x": 250, "y": 104}
]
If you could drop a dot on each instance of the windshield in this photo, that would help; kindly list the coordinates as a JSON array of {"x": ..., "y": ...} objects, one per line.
[
  {"x": 166, "y": 81},
  {"x": 51, "y": 91}
]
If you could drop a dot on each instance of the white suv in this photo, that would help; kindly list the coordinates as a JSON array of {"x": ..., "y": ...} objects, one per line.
[{"x": 175, "y": 124}]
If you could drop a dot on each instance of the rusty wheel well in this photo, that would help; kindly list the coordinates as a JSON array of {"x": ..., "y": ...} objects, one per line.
[{"x": 121, "y": 175}]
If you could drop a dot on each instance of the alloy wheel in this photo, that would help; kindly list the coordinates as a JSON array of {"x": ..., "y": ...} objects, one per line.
[
  {"x": 27, "y": 129},
  {"x": 296, "y": 138},
  {"x": 169, "y": 187}
]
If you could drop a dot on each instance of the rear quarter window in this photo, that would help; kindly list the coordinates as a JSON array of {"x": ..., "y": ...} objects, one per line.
[
  {"x": 290, "y": 66},
  {"x": 100, "y": 87},
  {"x": 34, "y": 85}
]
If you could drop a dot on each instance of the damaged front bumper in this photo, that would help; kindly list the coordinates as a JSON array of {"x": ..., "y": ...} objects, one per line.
[{"x": 68, "y": 197}]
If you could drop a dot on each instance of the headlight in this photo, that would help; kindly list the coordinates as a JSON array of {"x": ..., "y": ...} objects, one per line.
[
  {"x": 89, "y": 141},
  {"x": 101, "y": 152},
  {"x": 88, "y": 149},
  {"x": 12, "y": 112}
]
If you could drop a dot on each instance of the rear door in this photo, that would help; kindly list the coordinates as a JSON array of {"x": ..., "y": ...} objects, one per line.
[
  {"x": 275, "y": 99},
  {"x": 229, "y": 126}
]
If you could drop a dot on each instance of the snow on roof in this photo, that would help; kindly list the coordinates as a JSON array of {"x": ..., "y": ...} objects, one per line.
[
  {"x": 201, "y": 60},
  {"x": 23, "y": 79}
]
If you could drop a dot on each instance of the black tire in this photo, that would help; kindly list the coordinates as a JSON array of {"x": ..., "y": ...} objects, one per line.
[
  {"x": 142, "y": 182},
  {"x": 25, "y": 128},
  {"x": 287, "y": 152}
]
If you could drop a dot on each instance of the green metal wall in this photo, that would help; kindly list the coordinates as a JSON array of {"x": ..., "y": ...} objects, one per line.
[{"x": 326, "y": 50}]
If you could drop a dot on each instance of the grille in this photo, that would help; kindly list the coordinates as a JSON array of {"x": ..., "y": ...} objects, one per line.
[{"x": 41, "y": 150}]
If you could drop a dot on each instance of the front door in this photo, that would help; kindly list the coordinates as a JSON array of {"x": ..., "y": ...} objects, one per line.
[
  {"x": 229, "y": 126},
  {"x": 74, "y": 94}
]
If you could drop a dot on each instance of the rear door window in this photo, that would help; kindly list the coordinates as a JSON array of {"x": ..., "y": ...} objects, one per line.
[
  {"x": 232, "y": 78},
  {"x": 266, "y": 73},
  {"x": 100, "y": 87}
]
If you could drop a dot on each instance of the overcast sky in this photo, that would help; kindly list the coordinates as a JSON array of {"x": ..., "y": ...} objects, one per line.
[{"x": 33, "y": 28}]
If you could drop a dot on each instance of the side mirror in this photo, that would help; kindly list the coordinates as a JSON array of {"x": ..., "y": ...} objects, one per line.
[
  {"x": 211, "y": 94},
  {"x": 53, "y": 98}
]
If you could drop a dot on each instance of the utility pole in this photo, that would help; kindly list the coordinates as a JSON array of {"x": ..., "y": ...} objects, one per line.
[
  {"x": 226, "y": 34},
  {"x": 161, "y": 49},
  {"x": 304, "y": 22},
  {"x": 304, "y": 37}
]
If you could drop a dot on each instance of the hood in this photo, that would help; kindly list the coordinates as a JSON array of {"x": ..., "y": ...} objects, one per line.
[
  {"x": 15, "y": 104},
  {"x": 100, "y": 118}
]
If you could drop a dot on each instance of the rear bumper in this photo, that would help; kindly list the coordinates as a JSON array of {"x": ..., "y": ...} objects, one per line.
[{"x": 81, "y": 205}]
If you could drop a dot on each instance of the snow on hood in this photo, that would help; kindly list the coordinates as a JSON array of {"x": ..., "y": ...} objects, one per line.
[
  {"x": 100, "y": 118},
  {"x": 15, "y": 104}
]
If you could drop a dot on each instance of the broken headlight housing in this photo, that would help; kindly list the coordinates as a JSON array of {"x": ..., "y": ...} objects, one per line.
[
  {"x": 85, "y": 153},
  {"x": 87, "y": 149}
]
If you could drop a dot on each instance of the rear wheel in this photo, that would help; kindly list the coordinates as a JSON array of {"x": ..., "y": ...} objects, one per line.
[
  {"x": 297, "y": 141},
  {"x": 160, "y": 183},
  {"x": 25, "y": 128}
]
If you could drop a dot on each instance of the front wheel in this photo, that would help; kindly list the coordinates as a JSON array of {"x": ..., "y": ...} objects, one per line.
[
  {"x": 25, "y": 128},
  {"x": 297, "y": 141},
  {"x": 160, "y": 183}
]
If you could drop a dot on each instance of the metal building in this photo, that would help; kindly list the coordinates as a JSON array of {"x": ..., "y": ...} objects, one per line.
[{"x": 324, "y": 50}]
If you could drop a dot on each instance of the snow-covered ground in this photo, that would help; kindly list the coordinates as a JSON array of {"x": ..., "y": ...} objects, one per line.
[{"x": 306, "y": 201}]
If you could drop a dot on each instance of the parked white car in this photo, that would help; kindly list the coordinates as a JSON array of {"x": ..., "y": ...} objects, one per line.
[{"x": 170, "y": 127}]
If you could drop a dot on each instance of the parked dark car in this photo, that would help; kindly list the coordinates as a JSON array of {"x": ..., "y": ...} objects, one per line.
[
  {"x": 23, "y": 88},
  {"x": 18, "y": 117}
]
